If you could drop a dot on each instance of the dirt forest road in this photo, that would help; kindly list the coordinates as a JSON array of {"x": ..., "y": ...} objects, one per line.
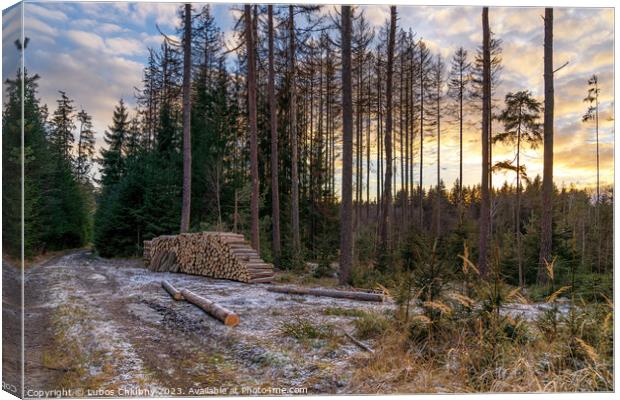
[{"x": 106, "y": 327}]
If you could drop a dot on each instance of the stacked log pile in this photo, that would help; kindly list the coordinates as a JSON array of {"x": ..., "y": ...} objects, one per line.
[
  {"x": 220, "y": 255},
  {"x": 146, "y": 254}
]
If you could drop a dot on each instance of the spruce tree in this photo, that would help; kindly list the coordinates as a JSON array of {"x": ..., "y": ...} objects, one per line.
[
  {"x": 85, "y": 146},
  {"x": 63, "y": 125},
  {"x": 112, "y": 158}
]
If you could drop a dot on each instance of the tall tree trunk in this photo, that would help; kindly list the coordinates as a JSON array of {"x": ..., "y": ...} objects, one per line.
[
  {"x": 346, "y": 217},
  {"x": 486, "y": 111},
  {"x": 273, "y": 118},
  {"x": 368, "y": 145},
  {"x": 401, "y": 134},
  {"x": 387, "y": 191},
  {"x": 438, "y": 116},
  {"x": 518, "y": 218},
  {"x": 461, "y": 146},
  {"x": 598, "y": 188},
  {"x": 358, "y": 145},
  {"x": 546, "y": 239},
  {"x": 250, "y": 43},
  {"x": 421, "y": 183},
  {"x": 379, "y": 137},
  {"x": 294, "y": 150},
  {"x": 187, "y": 145}
]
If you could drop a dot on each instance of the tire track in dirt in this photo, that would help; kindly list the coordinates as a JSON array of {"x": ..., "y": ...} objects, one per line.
[{"x": 130, "y": 334}]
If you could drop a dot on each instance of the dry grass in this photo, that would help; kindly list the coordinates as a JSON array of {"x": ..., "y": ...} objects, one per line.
[
  {"x": 465, "y": 354},
  {"x": 38, "y": 259}
]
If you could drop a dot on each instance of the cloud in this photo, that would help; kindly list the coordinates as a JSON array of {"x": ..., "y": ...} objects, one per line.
[
  {"x": 34, "y": 26},
  {"x": 44, "y": 12},
  {"x": 86, "y": 39},
  {"x": 164, "y": 14},
  {"x": 125, "y": 46},
  {"x": 377, "y": 15},
  {"x": 99, "y": 57}
]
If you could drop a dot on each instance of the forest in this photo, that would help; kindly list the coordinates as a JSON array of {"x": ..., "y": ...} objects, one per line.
[{"x": 312, "y": 137}]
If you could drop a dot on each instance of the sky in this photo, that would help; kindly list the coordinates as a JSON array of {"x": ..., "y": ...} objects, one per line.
[{"x": 96, "y": 53}]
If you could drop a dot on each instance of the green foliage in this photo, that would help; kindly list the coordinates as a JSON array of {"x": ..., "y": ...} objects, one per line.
[
  {"x": 56, "y": 211},
  {"x": 144, "y": 203},
  {"x": 371, "y": 325},
  {"x": 112, "y": 158},
  {"x": 303, "y": 329}
]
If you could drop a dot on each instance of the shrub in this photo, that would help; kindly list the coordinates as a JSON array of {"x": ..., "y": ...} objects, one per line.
[{"x": 303, "y": 329}]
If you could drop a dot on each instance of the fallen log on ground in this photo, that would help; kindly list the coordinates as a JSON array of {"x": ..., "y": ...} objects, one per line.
[
  {"x": 228, "y": 317},
  {"x": 339, "y": 294},
  {"x": 174, "y": 292},
  {"x": 358, "y": 343}
]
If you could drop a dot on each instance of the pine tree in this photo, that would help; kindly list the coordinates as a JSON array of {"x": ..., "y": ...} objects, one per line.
[
  {"x": 520, "y": 119},
  {"x": 592, "y": 114},
  {"x": 187, "y": 107},
  {"x": 63, "y": 125},
  {"x": 425, "y": 112},
  {"x": 273, "y": 125},
  {"x": 546, "y": 228},
  {"x": 293, "y": 135},
  {"x": 85, "y": 146},
  {"x": 251, "y": 89},
  {"x": 134, "y": 139},
  {"x": 112, "y": 166},
  {"x": 35, "y": 147},
  {"x": 437, "y": 78},
  {"x": 458, "y": 82},
  {"x": 346, "y": 209},
  {"x": 387, "y": 191},
  {"x": 486, "y": 119}
]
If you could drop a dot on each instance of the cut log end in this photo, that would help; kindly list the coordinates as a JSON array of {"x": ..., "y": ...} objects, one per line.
[{"x": 231, "y": 320}]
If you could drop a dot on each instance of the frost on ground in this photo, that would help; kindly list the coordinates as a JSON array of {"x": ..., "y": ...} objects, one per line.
[
  {"x": 93, "y": 323},
  {"x": 110, "y": 325}
]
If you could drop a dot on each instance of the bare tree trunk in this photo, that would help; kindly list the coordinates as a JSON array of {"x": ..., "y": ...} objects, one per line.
[
  {"x": 236, "y": 213},
  {"x": 401, "y": 133},
  {"x": 379, "y": 136},
  {"x": 438, "y": 116},
  {"x": 358, "y": 146},
  {"x": 368, "y": 147},
  {"x": 249, "y": 37},
  {"x": 387, "y": 191},
  {"x": 486, "y": 110},
  {"x": 461, "y": 147},
  {"x": 421, "y": 183},
  {"x": 598, "y": 185},
  {"x": 294, "y": 150},
  {"x": 346, "y": 217},
  {"x": 546, "y": 238},
  {"x": 187, "y": 145},
  {"x": 518, "y": 212},
  {"x": 218, "y": 195},
  {"x": 273, "y": 119}
]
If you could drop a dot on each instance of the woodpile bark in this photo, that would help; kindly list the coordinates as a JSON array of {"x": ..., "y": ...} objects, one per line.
[
  {"x": 228, "y": 317},
  {"x": 339, "y": 294},
  {"x": 220, "y": 255}
]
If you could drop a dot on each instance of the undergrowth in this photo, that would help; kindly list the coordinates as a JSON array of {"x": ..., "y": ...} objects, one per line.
[{"x": 460, "y": 338}]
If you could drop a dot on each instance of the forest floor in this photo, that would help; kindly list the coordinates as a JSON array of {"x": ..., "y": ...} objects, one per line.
[{"x": 105, "y": 327}]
